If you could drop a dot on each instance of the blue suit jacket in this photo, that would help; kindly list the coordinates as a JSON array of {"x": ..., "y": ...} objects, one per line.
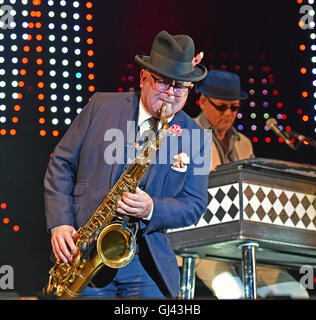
[{"x": 78, "y": 177}]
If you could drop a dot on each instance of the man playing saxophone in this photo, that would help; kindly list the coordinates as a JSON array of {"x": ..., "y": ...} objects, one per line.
[{"x": 171, "y": 194}]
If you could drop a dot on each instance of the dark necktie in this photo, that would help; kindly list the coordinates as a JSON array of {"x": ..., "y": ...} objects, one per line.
[{"x": 148, "y": 134}]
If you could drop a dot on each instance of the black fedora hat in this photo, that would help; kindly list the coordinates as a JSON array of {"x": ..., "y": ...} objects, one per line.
[
  {"x": 171, "y": 57},
  {"x": 222, "y": 85}
]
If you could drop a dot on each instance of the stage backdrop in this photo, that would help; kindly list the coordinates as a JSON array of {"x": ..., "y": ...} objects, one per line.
[{"x": 55, "y": 54}]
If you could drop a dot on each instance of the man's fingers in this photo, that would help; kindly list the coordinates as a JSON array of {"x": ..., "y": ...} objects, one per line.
[
  {"x": 62, "y": 242},
  {"x": 132, "y": 203},
  {"x": 127, "y": 208}
]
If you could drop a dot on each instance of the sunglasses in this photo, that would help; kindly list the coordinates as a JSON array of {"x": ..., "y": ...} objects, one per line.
[
  {"x": 163, "y": 85},
  {"x": 224, "y": 107}
]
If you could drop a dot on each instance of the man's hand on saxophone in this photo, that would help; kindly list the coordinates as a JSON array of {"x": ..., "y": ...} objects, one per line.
[
  {"x": 138, "y": 205},
  {"x": 62, "y": 243}
]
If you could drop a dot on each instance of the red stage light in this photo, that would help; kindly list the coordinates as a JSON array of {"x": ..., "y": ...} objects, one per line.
[{"x": 6, "y": 220}]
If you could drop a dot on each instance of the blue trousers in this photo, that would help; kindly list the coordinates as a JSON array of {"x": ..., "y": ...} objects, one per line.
[{"x": 131, "y": 281}]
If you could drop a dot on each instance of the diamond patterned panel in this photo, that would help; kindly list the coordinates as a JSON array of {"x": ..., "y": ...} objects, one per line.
[{"x": 279, "y": 207}]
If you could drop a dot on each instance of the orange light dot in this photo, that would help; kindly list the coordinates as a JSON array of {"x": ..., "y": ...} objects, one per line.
[
  {"x": 301, "y": 24},
  {"x": 39, "y": 37},
  {"x": 304, "y": 94},
  {"x": 89, "y": 41},
  {"x": 36, "y": 2},
  {"x": 17, "y": 107},
  {"x": 39, "y": 49},
  {"x": 29, "y": 37},
  {"x": 41, "y": 108},
  {"x": 89, "y": 5},
  {"x": 55, "y": 133},
  {"x": 26, "y": 48},
  {"x": 302, "y": 47},
  {"x": 6, "y": 220},
  {"x": 40, "y": 73},
  {"x": 23, "y": 72},
  {"x": 16, "y": 228},
  {"x": 3, "y": 205},
  {"x": 39, "y": 61},
  {"x": 41, "y": 120},
  {"x": 91, "y": 76},
  {"x": 42, "y": 133},
  {"x": 90, "y": 65},
  {"x": 38, "y": 14},
  {"x": 31, "y": 25},
  {"x": 305, "y": 118},
  {"x": 89, "y": 17},
  {"x": 299, "y": 1},
  {"x": 89, "y": 28},
  {"x": 91, "y": 88},
  {"x": 40, "y": 96},
  {"x": 3, "y": 132},
  {"x": 20, "y": 96},
  {"x": 13, "y": 132},
  {"x": 25, "y": 60},
  {"x": 21, "y": 84},
  {"x": 15, "y": 119},
  {"x": 38, "y": 25},
  {"x": 40, "y": 84},
  {"x": 303, "y": 70}
]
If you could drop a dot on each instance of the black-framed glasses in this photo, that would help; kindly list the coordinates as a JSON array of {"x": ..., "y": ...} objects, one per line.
[
  {"x": 162, "y": 85},
  {"x": 224, "y": 107}
]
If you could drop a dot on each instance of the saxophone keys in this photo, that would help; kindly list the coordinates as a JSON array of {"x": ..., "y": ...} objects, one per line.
[{"x": 137, "y": 146}]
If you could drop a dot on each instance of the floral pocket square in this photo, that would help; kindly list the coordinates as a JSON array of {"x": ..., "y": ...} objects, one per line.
[{"x": 182, "y": 161}]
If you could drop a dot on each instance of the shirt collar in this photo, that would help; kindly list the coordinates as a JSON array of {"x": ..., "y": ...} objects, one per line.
[{"x": 144, "y": 115}]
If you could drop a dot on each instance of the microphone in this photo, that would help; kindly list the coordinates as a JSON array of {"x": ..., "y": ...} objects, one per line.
[
  {"x": 273, "y": 125},
  {"x": 297, "y": 135},
  {"x": 302, "y": 138}
]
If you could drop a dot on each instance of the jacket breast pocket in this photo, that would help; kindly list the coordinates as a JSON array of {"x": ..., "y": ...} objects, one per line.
[
  {"x": 78, "y": 191},
  {"x": 175, "y": 182}
]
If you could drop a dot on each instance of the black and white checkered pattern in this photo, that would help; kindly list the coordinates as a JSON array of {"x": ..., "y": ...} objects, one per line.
[
  {"x": 279, "y": 207},
  {"x": 259, "y": 204},
  {"x": 223, "y": 206}
]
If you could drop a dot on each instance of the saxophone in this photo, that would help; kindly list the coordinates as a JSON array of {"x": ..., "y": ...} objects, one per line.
[{"x": 102, "y": 241}]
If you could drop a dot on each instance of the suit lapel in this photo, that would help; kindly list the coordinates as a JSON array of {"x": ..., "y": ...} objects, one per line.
[{"x": 126, "y": 123}]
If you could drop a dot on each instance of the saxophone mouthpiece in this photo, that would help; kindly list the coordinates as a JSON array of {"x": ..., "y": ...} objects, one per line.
[{"x": 164, "y": 109}]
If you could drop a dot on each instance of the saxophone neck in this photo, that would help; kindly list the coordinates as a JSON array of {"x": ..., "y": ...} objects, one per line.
[{"x": 163, "y": 114}]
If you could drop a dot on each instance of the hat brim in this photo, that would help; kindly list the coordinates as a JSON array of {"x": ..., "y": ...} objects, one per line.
[
  {"x": 243, "y": 95},
  {"x": 198, "y": 74}
]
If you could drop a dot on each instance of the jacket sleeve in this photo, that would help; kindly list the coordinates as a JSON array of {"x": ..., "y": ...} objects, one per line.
[
  {"x": 60, "y": 174},
  {"x": 190, "y": 204}
]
